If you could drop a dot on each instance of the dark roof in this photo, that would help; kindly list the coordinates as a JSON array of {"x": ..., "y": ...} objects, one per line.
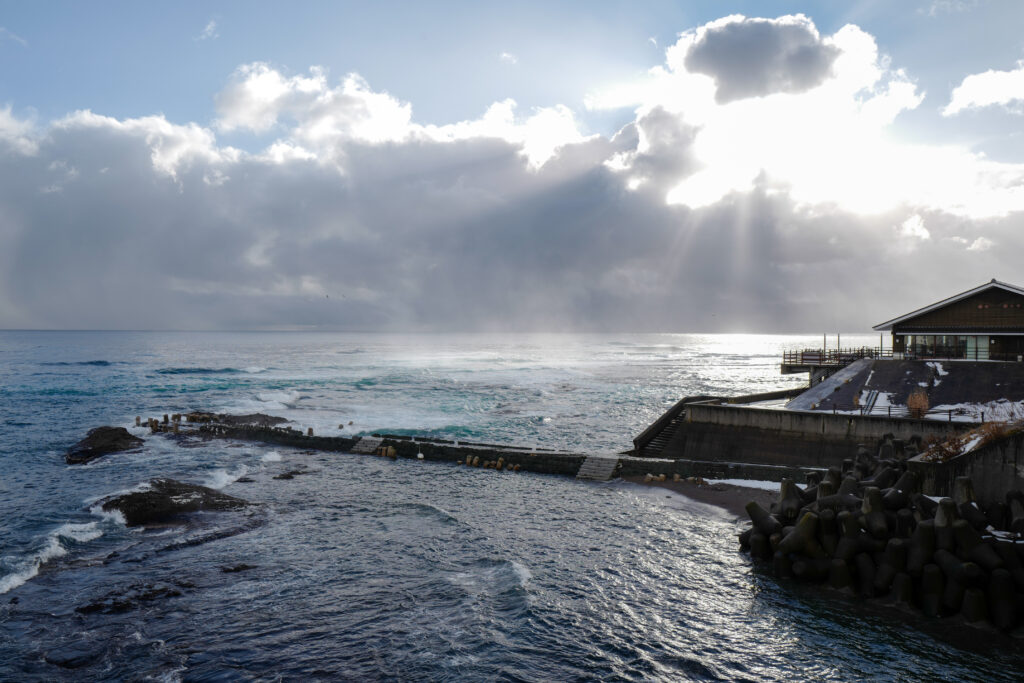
[{"x": 993, "y": 284}]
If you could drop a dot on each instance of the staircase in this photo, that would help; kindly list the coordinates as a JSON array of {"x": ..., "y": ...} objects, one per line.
[
  {"x": 367, "y": 445},
  {"x": 597, "y": 468},
  {"x": 654, "y": 447},
  {"x": 652, "y": 441}
]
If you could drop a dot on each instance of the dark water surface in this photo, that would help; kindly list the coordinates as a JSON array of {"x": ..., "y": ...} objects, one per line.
[{"x": 368, "y": 569}]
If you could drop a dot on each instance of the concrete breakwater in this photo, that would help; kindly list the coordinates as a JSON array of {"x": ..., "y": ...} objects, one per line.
[
  {"x": 538, "y": 460},
  {"x": 866, "y": 529}
]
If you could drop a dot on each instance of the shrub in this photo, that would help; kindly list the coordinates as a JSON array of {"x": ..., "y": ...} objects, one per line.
[
  {"x": 941, "y": 450},
  {"x": 917, "y": 403}
]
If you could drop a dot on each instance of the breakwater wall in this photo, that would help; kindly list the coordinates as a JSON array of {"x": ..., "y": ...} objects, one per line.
[
  {"x": 732, "y": 433},
  {"x": 541, "y": 461},
  {"x": 996, "y": 470},
  {"x": 538, "y": 460}
]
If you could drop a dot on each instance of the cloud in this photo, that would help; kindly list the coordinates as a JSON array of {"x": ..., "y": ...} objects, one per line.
[
  {"x": 938, "y": 7},
  {"x": 16, "y": 134},
  {"x": 209, "y": 31},
  {"x": 8, "y": 35},
  {"x": 987, "y": 89},
  {"x": 757, "y": 57},
  {"x": 697, "y": 215},
  {"x": 832, "y": 143},
  {"x": 318, "y": 120},
  {"x": 914, "y": 228},
  {"x": 508, "y": 58}
]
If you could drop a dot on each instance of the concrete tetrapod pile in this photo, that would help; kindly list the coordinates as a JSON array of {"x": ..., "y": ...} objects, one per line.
[{"x": 866, "y": 528}]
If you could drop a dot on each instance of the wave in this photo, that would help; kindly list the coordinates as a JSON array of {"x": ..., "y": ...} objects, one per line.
[
  {"x": 198, "y": 371},
  {"x": 96, "y": 363},
  {"x": 286, "y": 399},
  {"x": 495, "y": 577},
  {"x": 53, "y": 547},
  {"x": 272, "y": 456},
  {"x": 218, "y": 479}
]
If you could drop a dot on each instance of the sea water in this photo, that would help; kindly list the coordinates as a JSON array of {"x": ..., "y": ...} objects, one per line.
[{"x": 365, "y": 569}]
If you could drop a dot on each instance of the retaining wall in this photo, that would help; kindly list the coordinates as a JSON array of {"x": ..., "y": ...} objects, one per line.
[
  {"x": 784, "y": 437},
  {"x": 995, "y": 470}
]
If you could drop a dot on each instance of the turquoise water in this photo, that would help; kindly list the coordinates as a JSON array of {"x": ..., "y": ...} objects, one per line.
[{"x": 366, "y": 569}]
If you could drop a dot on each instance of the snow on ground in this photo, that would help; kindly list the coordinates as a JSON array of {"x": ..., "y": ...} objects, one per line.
[
  {"x": 993, "y": 411},
  {"x": 937, "y": 366},
  {"x": 749, "y": 483}
]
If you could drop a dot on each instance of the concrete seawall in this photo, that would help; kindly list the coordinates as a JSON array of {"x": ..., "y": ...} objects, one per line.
[
  {"x": 729, "y": 433},
  {"x": 995, "y": 469},
  {"x": 537, "y": 461}
]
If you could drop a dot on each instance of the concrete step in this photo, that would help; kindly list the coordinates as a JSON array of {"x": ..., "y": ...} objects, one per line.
[
  {"x": 367, "y": 445},
  {"x": 597, "y": 468}
]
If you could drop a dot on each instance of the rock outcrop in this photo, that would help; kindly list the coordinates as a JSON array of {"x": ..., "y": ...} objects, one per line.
[
  {"x": 167, "y": 500},
  {"x": 99, "y": 442}
]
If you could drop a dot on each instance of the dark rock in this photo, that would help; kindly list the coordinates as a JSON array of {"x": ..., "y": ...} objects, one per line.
[
  {"x": 100, "y": 441},
  {"x": 167, "y": 500},
  {"x": 132, "y": 597},
  {"x": 251, "y": 420},
  {"x": 232, "y": 569},
  {"x": 291, "y": 474},
  {"x": 244, "y": 480},
  {"x": 75, "y": 654}
]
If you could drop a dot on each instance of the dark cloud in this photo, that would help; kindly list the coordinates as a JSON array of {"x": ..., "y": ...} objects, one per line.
[
  {"x": 757, "y": 57},
  {"x": 97, "y": 232}
]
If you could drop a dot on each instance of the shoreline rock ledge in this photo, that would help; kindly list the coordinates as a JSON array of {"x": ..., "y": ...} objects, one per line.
[
  {"x": 99, "y": 442},
  {"x": 166, "y": 500}
]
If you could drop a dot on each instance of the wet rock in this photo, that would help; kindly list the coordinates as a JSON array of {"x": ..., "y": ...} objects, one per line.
[
  {"x": 233, "y": 569},
  {"x": 167, "y": 499},
  {"x": 132, "y": 597},
  {"x": 291, "y": 474},
  {"x": 74, "y": 654},
  {"x": 251, "y": 420},
  {"x": 99, "y": 442}
]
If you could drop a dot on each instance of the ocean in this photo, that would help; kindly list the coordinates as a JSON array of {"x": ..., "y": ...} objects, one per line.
[{"x": 369, "y": 569}]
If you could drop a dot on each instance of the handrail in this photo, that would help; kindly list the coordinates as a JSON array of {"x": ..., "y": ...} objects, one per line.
[
  {"x": 828, "y": 357},
  {"x": 658, "y": 425}
]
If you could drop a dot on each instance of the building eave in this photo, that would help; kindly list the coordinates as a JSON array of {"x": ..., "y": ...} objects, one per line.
[{"x": 993, "y": 284}]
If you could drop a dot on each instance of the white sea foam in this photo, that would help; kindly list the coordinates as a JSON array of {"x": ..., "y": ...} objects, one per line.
[
  {"x": 30, "y": 567},
  {"x": 218, "y": 479},
  {"x": 52, "y": 548},
  {"x": 254, "y": 369},
  {"x": 284, "y": 399},
  {"x": 272, "y": 456},
  {"x": 81, "y": 533},
  {"x": 138, "y": 488},
  {"x": 522, "y": 573},
  {"x": 114, "y": 516}
]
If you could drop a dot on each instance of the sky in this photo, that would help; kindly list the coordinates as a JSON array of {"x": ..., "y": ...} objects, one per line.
[{"x": 770, "y": 167}]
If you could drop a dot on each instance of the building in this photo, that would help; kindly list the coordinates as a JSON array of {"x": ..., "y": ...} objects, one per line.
[{"x": 984, "y": 323}]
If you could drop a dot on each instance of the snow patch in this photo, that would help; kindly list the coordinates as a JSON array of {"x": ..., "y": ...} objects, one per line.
[{"x": 748, "y": 483}]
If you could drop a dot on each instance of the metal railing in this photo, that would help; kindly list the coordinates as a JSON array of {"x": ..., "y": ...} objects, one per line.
[
  {"x": 832, "y": 357},
  {"x": 901, "y": 411}
]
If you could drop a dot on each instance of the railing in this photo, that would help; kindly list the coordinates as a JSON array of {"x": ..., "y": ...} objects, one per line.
[
  {"x": 902, "y": 411},
  {"x": 832, "y": 357}
]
